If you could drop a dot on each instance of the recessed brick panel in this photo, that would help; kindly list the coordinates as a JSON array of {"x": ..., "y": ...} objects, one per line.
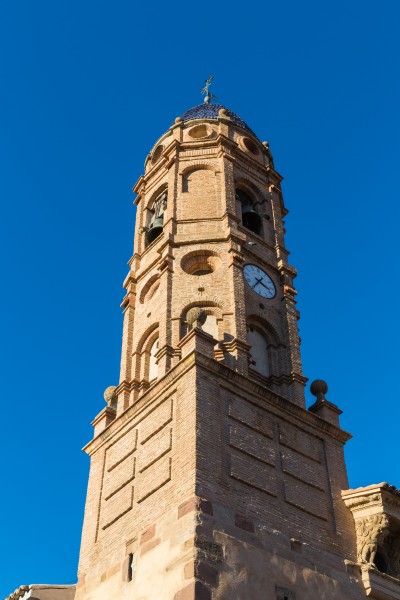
[
  {"x": 155, "y": 420},
  {"x": 153, "y": 478},
  {"x": 249, "y": 441},
  {"x": 303, "y": 468},
  {"x": 307, "y": 499},
  {"x": 252, "y": 416},
  {"x": 121, "y": 448},
  {"x": 155, "y": 447},
  {"x": 116, "y": 479},
  {"x": 301, "y": 441},
  {"x": 118, "y": 505},
  {"x": 256, "y": 474}
]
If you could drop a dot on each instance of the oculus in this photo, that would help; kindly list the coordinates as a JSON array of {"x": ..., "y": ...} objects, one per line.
[
  {"x": 200, "y": 262},
  {"x": 199, "y": 132},
  {"x": 250, "y": 146}
]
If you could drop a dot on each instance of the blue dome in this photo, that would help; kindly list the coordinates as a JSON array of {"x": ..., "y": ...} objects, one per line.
[{"x": 210, "y": 111}]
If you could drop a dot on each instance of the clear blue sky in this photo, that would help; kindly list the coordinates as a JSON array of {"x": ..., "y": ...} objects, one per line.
[{"x": 86, "y": 89}]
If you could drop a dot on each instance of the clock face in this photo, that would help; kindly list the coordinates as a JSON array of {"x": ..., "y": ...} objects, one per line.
[{"x": 259, "y": 281}]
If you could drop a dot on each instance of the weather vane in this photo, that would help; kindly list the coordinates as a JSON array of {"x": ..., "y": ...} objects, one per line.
[{"x": 208, "y": 95}]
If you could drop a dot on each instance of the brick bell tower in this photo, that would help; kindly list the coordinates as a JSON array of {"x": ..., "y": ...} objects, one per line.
[{"x": 209, "y": 479}]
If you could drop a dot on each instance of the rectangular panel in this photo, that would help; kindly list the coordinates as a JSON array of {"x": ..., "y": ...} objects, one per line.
[
  {"x": 118, "y": 505},
  {"x": 155, "y": 420},
  {"x": 303, "y": 468},
  {"x": 251, "y": 442},
  {"x": 121, "y": 448},
  {"x": 253, "y": 416},
  {"x": 299, "y": 440},
  {"x": 256, "y": 474},
  {"x": 155, "y": 447},
  {"x": 118, "y": 477},
  {"x": 153, "y": 478},
  {"x": 307, "y": 499}
]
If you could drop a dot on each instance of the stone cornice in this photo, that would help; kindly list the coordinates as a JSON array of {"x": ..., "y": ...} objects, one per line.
[{"x": 373, "y": 499}]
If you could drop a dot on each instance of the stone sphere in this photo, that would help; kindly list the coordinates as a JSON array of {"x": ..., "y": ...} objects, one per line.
[
  {"x": 196, "y": 316},
  {"x": 318, "y": 388},
  {"x": 223, "y": 113},
  {"x": 178, "y": 120},
  {"x": 109, "y": 394}
]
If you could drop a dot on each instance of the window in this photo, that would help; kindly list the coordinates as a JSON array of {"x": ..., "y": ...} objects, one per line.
[
  {"x": 250, "y": 217},
  {"x": 153, "y": 366},
  {"x": 258, "y": 352},
  {"x": 128, "y": 567}
]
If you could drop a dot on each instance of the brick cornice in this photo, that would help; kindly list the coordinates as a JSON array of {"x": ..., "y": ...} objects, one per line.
[
  {"x": 229, "y": 377},
  {"x": 273, "y": 399}
]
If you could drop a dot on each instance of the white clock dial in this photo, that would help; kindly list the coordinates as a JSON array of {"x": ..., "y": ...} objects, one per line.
[{"x": 259, "y": 281}]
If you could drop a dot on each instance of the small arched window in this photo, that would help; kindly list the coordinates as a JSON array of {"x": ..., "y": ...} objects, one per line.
[
  {"x": 155, "y": 218},
  {"x": 258, "y": 352},
  {"x": 153, "y": 366}
]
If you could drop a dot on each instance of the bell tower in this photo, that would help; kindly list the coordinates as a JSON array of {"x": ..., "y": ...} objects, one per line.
[
  {"x": 209, "y": 479},
  {"x": 208, "y": 206}
]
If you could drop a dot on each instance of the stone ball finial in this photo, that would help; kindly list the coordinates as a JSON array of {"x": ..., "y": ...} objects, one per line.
[
  {"x": 110, "y": 396},
  {"x": 266, "y": 145},
  {"x": 319, "y": 388},
  {"x": 196, "y": 317},
  {"x": 178, "y": 120}
]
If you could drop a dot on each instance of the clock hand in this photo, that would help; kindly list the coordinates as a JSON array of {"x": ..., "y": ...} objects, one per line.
[
  {"x": 266, "y": 286},
  {"x": 256, "y": 283}
]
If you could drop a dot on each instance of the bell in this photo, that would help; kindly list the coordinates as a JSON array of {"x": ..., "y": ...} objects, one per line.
[
  {"x": 155, "y": 229},
  {"x": 251, "y": 219}
]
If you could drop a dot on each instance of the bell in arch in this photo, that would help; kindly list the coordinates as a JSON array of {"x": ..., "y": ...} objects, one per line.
[
  {"x": 251, "y": 219},
  {"x": 155, "y": 228}
]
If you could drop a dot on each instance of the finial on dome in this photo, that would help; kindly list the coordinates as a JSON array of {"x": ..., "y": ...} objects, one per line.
[{"x": 208, "y": 95}]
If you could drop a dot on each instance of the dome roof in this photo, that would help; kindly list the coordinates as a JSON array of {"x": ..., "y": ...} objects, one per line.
[{"x": 210, "y": 111}]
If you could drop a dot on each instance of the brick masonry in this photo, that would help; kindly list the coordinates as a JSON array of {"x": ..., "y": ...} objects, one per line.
[{"x": 202, "y": 478}]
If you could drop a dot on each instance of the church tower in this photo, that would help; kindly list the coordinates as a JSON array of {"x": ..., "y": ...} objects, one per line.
[{"x": 209, "y": 479}]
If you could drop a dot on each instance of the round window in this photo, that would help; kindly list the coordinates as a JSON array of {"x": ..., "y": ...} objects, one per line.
[
  {"x": 199, "y": 131},
  {"x": 250, "y": 145},
  {"x": 200, "y": 262}
]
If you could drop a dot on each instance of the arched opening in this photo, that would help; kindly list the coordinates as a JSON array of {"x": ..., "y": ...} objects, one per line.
[
  {"x": 206, "y": 314},
  {"x": 211, "y": 326},
  {"x": 259, "y": 360},
  {"x": 155, "y": 218},
  {"x": 250, "y": 217},
  {"x": 153, "y": 366}
]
